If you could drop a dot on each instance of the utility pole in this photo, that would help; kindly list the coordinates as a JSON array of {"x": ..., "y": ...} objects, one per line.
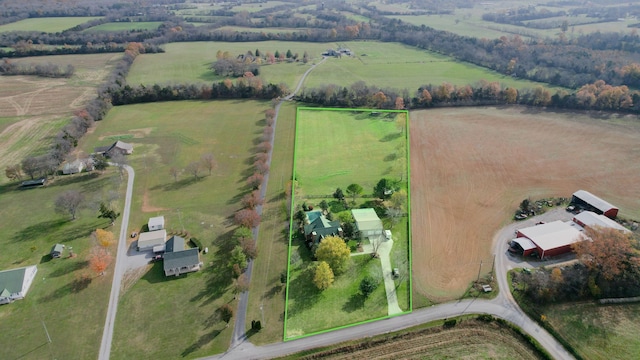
[{"x": 479, "y": 270}]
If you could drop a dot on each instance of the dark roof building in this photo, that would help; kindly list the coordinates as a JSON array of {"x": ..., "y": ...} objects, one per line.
[
  {"x": 181, "y": 262},
  {"x": 118, "y": 146},
  {"x": 318, "y": 226}
]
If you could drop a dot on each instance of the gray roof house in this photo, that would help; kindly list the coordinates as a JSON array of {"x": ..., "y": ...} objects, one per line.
[
  {"x": 177, "y": 260},
  {"x": 73, "y": 167},
  {"x": 15, "y": 283},
  {"x": 118, "y": 146},
  {"x": 318, "y": 226}
]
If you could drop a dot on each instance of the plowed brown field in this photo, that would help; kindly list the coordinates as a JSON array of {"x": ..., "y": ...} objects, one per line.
[
  {"x": 471, "y": 339},
  {"x": 470, "y": 168}
]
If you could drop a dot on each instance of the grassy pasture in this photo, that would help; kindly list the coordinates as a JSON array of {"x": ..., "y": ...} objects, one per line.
[
  {"x": 402, "y": 67},
  {"x": 266, "y": 298},
  {"x": 49, "y": 25},
  {"x": 32, "y": 109},
  {"x": 335, "y": 149},
  {"x": 471, "y": 188},
  {"x": 190, "y": 62},
  {"x": 29, "y": 228},
  {"x": 598, "y": 332},
  {"x": 125, "y": 26},
  {"x": 174, "y": 134}
]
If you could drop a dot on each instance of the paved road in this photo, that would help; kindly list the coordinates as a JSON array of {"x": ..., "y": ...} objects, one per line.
[
  {"x": 503, "y": 306},
  {"x": 118, "y": 272},
  {"x": 239, "y": 333}
]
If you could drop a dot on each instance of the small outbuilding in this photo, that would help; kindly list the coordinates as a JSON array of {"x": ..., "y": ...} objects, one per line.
[
  {"x": 15, "y": 283},
  {"x": 156, "y": 223},
  {"x": 589, "y": 219},
  {"x": 56, "y": 251},
  {"x": 368, "y": 224},
  {"x": 590, "y": 202},
  {"x": 151, "y": 239},
  {"x": 33, "y": 183},
  {"x": 73, "y": 167},
  {"x": 117, "y": 147}
]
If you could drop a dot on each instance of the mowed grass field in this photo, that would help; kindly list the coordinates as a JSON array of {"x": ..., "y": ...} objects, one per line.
[
  {"x": 32, "y": 109},
  {"x": 49, "y": 25},
  {"x": 398, "y": 66},
  {"x": 190, "y": 62},
  {"x": 72, "y": 309},
  {"x": 125, "y": 26},
  {"x": 267, "y": 293},
  {"x": 471, "y": 167},
  {"x": 336, "y": 148},
  {"x": 168, "y": 318},
  {"x": 596, "y": 331}
]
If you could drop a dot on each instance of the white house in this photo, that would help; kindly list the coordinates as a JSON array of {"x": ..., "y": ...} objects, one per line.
[
  {"x": 151, "y": 239},
  {"x": 73, "y": 167},
  {"x": 15, "y": 283},
  {"x": 156, "y": 223}
]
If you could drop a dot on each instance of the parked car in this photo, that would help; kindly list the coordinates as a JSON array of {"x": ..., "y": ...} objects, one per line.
[{"x": 156, "y": 258}]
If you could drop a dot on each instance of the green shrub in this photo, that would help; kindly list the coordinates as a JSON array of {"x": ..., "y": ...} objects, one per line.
[{"x": 196, "y": 243}]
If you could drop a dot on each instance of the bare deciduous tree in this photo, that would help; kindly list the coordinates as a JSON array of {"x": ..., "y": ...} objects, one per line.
[
  {"x": 209, "y": 162},
  {"x": 174, "y": 172},
  {"x": 193, "y": 169},
  {"x": 69, "y": 202}
]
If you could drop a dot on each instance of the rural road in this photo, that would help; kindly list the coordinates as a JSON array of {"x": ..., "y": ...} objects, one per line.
[
  {"x": 239, "y": 333},
  {"x": 118, "y": 272},
  {"x": 503, "y": 306}
]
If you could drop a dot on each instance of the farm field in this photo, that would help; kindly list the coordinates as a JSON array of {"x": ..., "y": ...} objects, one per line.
[
  {"x": 174, "y": 134},
  {"x": 34, "y": 108},
  {"x": 189, "y": 62},
  {"x": 274, "y": 30},
  {"x": 471, "y": 167},
  {"x": 598, "y": 332},
  {"x": 470, "y": 338},
  {"x": 334, "y": 149},
  {"x": 399, "y": 66},
  {"x": 66, "y": 294},
  {"x": 49, "y": 25},
  {"x": 125, "y": 26}
]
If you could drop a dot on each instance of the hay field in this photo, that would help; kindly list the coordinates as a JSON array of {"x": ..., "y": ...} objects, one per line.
[
  {"x": 33, "y": 108},
  {"x": 471, "y": 167},
  {"x": 50, "y": 25}
]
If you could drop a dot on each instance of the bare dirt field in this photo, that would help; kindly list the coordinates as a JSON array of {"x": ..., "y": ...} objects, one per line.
[
  {"x": 472, "y": 339},
  {"x": 470, "y": 168}
]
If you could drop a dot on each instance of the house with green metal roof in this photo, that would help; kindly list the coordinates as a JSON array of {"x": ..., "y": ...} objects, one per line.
[
  {"x": 318, "y": 226},
  {"x": 178, "y": 260},
  {"x": 15, "y": 283}
]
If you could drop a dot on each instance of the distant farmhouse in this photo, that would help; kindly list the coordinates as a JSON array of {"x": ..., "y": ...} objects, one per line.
[
  {"x": 177, "y": 260},
  {"x": 76, "y": 166},
  {"x": 337, "y": 53},
  {"x": 318, "y": 227},
  {"x": 117, "y": 147},
  {"x": 15, "y": 283}
]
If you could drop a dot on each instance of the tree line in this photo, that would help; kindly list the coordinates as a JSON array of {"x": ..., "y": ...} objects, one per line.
[{"x": 46, "y": 69}]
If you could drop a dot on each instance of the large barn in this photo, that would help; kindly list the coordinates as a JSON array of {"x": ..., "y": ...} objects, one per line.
[
  {"x": 551, "y": 239},
  {"x": 587, "y": 201}
]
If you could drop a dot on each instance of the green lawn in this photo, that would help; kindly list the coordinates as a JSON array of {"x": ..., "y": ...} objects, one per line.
[
  {"x": 29, "y": 227},
  {"x": 266, "y": 296},
  {"x": 598, "y": 332},
  {"x": 174, "y": 134},
  {"x": 190, "y": 62},
  {"x": 311, "y": 310},
  {"x": 399, "y": 66},
  {"x": 337, "y": 148},
  {"x": 125, "y": 26},
  {"x": 49, "y": 25},
  {"x": 334, "y": 149}
]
